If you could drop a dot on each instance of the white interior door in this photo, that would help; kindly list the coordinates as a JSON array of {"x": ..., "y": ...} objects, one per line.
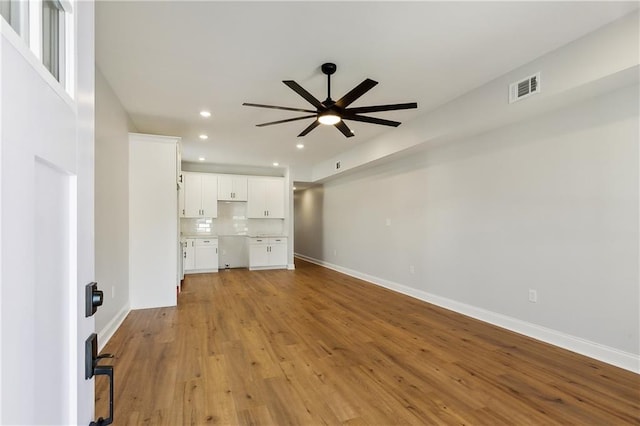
[{"x": 46, "y": 237}]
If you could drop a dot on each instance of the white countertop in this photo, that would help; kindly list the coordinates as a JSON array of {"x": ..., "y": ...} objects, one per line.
[{"x": 188, "y": 236}]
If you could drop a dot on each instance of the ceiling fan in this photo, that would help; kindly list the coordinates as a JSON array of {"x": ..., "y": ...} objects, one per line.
[{"x": 330, "y": 112}]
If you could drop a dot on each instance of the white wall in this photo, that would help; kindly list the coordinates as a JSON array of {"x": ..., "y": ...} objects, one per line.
[
  {"x": 111, "y": 208},
  {"x": 549, "y": 204}
]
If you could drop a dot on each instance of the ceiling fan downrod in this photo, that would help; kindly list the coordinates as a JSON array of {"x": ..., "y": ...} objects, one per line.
[{"x": 328, "y": 68}]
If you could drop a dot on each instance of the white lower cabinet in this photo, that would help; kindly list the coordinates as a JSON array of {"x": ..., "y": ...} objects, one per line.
[
  {"x": 200, "y": 255},
  {"x": 267, "y": 253},
  {"x": 188, "y": 255}
]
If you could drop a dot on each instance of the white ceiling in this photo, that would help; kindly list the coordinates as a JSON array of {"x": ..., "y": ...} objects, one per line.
[{"x": 168, "y": 60}]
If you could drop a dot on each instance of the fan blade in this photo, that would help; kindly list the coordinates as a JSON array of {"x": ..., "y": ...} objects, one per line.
[
  {"x": 355, "y": 93},
  {"x": 376, "y": 108},
  {"x": 278, "y": 107},
  {"x": 312, "y": 126},
  {"x": 302, "y": 92},
  {"x": 285, "y": 121},
  {"x": 373, "y": 120},
  {"x": 340, "y": 125}
]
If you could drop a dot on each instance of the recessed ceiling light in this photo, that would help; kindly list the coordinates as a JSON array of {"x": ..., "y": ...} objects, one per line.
[
  {"x": 201, "y": 158},
  {"x": 205, "y": 114},
  {"x": 204, "y": 137},
  {"x": 276, "y": 164},
  {"x": 300, "y": 146},
  {"x": 294, "y": 188}
]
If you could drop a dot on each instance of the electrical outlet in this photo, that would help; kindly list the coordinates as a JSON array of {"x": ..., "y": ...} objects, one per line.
[
  {"x": 533, "y": 295},
  {"x": 412, "y": 269},
  {"x": 335, "y": 252},
  {"x": 113, "y": 291},
  {"x": 388, "y": 222}
]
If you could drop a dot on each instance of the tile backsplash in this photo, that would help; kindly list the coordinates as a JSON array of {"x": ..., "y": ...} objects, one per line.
[{"x": 232, "y": 220}]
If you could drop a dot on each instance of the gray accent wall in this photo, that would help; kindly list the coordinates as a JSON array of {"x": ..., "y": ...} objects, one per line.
[
  {"x": 480, "y": 204},
  {"x": 549, "y": 204}
]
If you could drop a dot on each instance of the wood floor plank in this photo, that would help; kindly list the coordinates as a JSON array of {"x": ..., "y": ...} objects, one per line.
[{"x": 315, "y": 347}]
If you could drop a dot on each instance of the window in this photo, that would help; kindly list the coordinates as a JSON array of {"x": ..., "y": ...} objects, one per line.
[
  {"x": 12, "y": 12},
  {"x": 53, "y": 40},
  {"x": 5, "y": 10},
  {"x": 46, "y": 28}
]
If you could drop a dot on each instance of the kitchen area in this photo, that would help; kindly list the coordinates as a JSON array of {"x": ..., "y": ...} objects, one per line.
[
  {"x": 194, "y": 218},
  {"x": 231, "y": 221}
]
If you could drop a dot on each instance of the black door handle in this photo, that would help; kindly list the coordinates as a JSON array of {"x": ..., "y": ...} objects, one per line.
[
  {"x": 105, "y": 370},
  {"x": 91, "y": 368}
]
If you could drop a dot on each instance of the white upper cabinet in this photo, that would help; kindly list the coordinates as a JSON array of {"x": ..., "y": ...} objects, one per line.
[
  {"x": 232, "y": 188},
  {"x": 179, "y": 163},
  {"x": 265, "y": 198},
  {"x": 181, "y": 209},
  {"x": 200, "y": 195}
]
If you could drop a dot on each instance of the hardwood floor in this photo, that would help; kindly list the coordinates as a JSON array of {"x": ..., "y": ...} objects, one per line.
[{"x": 313, "y": 346}]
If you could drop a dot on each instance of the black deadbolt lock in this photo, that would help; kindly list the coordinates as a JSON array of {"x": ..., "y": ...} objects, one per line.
[{"x": 93, "y": 299}]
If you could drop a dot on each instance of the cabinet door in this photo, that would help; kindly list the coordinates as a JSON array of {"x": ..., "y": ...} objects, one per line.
[
  {"x": 232, "y": 188},
  {"x": 189, "y": 256},
  {"x": 192, "y": 195},
  {"x": 239, "y": 188},
  {"x": 275, "y": 198},
  {"x": 225, "y": 188},
  {"x": 256, "y": 198},
  {"x": 209, "y": 195},
  {"x": 278, "y": 254},
  {"x": 258, "y": 255},
  {"x": 206, "y": 254},
  {"x": 181, "y": 210}
]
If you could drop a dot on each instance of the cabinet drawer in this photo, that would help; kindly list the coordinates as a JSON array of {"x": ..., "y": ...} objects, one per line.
[
  {"x": 267, "y": 240},
  {"x": 201, "y": 242}
]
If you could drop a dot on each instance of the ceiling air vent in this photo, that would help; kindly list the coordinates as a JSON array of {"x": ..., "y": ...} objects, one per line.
[{"x": 524, "y": 88}]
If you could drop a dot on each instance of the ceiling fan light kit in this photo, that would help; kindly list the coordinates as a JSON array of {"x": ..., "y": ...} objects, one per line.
[
  {"x": 330, "y": 112},
  {"x": 328, "y": 118}
]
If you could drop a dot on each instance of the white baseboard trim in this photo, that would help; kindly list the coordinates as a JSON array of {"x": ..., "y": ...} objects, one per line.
[
  {"x": 107, "y": 332},
  {"x": 613, "y": 356},
  {"x": 291, "y": 266}
]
